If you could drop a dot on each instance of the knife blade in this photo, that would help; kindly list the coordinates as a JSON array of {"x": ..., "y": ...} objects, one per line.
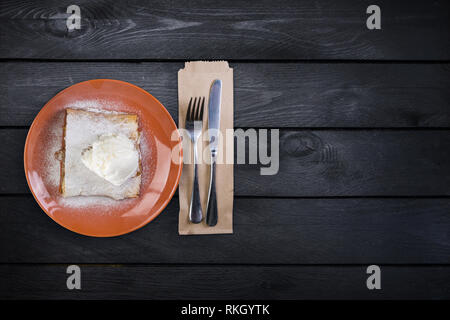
[{"x": 215, "y": 97}]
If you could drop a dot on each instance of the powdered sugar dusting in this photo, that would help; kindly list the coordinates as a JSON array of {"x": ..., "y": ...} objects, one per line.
[
  {"x": 54, "y": 138},
  {"x": 92, "y": 201},
  {"x": 97, "y": 105}
]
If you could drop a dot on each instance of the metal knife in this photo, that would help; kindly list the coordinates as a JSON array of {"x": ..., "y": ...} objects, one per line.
[{"x": 215, "y": 96}]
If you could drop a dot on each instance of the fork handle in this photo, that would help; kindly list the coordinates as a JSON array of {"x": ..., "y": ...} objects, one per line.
[
  {"x": 211, "y": 215},
  {"x": 195, "y": 209}
]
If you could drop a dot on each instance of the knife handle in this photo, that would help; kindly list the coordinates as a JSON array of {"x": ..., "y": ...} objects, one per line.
[
  {"x": 211, "y": 215},
  {"x": 195, "y": 209}
]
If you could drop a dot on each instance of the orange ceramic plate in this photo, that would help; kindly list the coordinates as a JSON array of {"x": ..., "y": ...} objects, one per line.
[{"x": 160, "y": 158}]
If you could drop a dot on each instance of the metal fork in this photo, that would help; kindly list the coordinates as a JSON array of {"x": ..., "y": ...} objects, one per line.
[{"x": 194, "y": 125}]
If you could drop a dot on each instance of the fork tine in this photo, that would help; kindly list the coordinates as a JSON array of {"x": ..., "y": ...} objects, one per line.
[
  {"x": 188, "y": 113},
  {"x": 197, "y": 108},
  {"x": 194, "y": 111},
  {"x": 202, "y": 108},
  {"x": 194, "y": 106}
]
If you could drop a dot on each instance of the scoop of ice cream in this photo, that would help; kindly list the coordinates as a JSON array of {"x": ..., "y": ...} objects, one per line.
[{"x": 112, "y": 157}]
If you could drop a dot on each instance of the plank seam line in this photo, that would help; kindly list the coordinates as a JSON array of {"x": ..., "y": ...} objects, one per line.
[
  {"x": 349, "y": 128},
  {"x": 269, "y": 197},
  {"x": 256, "y": 61},
  {"x": 26, "y": 127},
  {"x": 93, "y": 264}
]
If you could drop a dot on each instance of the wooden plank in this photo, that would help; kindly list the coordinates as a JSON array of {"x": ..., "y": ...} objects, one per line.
[
  {"x": 266, "y": 95},
  {"x": 316, "y": 163},
  {"x": 266, "y": 231},
  {"x": 353, "y": 163},
  {"x": 223, "y": 282},
  {"x": 286, "y": 29}
]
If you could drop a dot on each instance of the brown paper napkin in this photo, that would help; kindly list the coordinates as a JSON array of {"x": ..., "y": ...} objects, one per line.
[{"x": 193, "y": 81}]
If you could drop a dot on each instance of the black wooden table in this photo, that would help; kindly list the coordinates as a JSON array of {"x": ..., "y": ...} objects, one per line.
[{"x": 364, "y": 119}]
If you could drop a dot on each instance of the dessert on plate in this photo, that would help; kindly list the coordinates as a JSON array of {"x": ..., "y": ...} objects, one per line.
[{"x": 100, "y": 154}]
